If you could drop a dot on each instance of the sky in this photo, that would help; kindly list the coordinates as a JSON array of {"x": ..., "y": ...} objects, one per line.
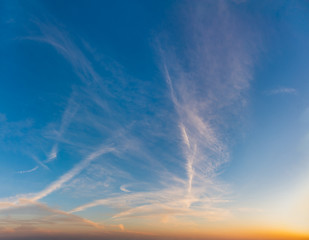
[{"x": 157, "y": 119}]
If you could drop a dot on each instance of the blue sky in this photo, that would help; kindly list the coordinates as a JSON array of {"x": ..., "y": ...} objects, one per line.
[{"x": 147, "y": 116}]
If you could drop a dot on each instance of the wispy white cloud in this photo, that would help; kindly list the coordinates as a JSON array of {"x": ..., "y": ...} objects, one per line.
[
  {"x": 53, "y": 154},
  {"x": 206, "y": 87},
  {"x": 124, "y": 189},
  {"x": 28, "y": 171},
  {"x": 19, "y": 201},
  {"x": 72, "y": 173},
  {"x": 281, "y": 90},
  {"x": 76, "y": 113},
  {"x": 162, "y": 203},
  {"x": 66, "y": 119},
  {"x": 99, "y": 179},
  {"x": 67, "y": 116},
  {"x": 58, "y": 132},
  {"x": 37, "y": 160},
  {"x": 61, "y": 41}
]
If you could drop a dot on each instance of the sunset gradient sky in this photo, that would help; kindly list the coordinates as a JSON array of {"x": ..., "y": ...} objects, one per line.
[{"x": 154, "y": 119}]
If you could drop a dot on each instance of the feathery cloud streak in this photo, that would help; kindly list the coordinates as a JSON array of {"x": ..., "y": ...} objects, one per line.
[
  {"x": 29, "y": 171},
  {"x": 72, "y": 173},
  {"x": 281, "y": 90},
  {"x": 209, "y": 91}
]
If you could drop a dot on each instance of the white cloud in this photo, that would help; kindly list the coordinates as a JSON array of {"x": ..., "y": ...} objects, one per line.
[
  {"x": 207, "y": 86},
  {"x": 72, "y": 173},
  {"x": 281, "y": 90},
  {"x": 53, "y": 154},
  {"x": 60, "y": 40},
  {"x": 124, "y": 189},
  {"x": 29, "y": 171},
  {"x": 36, "y": 159},
  {"x": 165, "y": 202}
]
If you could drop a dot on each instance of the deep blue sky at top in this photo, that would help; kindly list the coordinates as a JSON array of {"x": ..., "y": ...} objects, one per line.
[{"x": 126, "y": 39}]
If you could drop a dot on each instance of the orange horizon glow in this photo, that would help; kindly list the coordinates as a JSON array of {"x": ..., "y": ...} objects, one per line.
[{"x": 256, "y": 233}]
